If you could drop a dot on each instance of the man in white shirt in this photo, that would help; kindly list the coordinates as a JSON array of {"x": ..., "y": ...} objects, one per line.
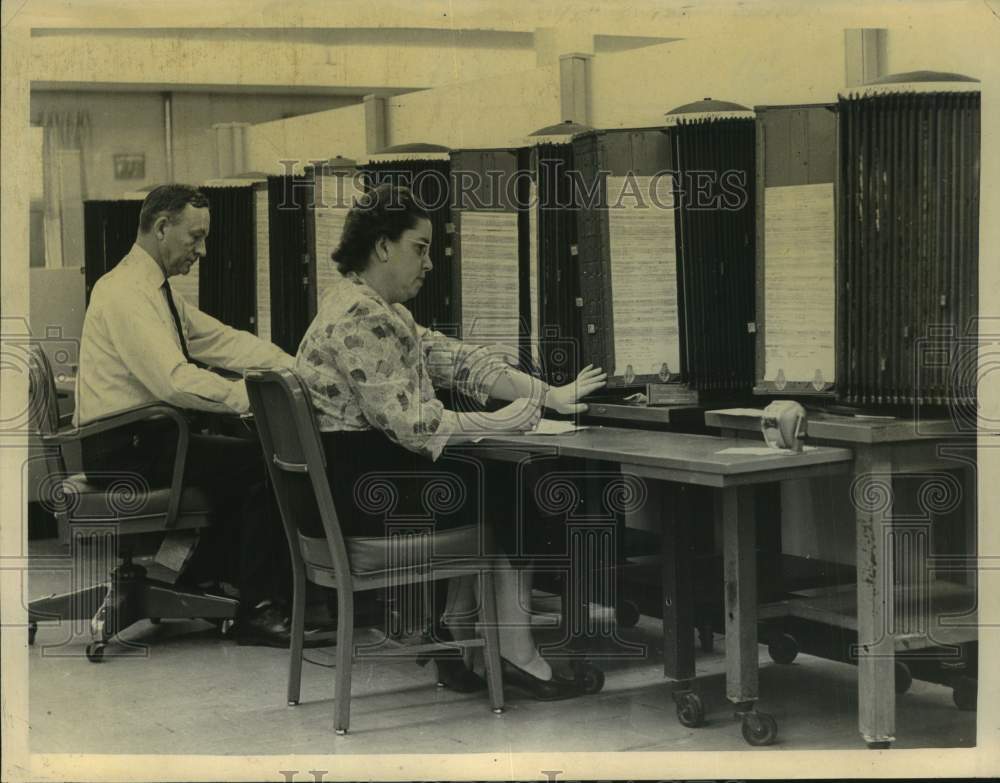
[{"x": 141, "y": 343}]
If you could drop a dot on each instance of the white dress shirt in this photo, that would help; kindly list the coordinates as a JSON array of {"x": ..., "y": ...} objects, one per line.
[{"x": 131, "y": 355}]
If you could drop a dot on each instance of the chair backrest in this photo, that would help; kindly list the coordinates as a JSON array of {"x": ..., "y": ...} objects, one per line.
[
  {"x": 293, "y": 451},
  {"x": 43, "y": 405}
]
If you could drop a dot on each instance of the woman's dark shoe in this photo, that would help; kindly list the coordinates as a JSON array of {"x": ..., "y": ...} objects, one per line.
[
  {"x": 452, "y": 673},
  {"x": 555, "y": 689},
  {"x": 451, "y": 669},
  {"x": 267, "y": 625}
]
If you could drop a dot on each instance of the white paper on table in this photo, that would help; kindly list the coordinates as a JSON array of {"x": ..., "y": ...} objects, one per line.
[
  {"x": 552, "y": 427},
  {"x": 760, "y": 451},
  {"x": 544, "y": 427},
  {"x": 758, "y": 412}
]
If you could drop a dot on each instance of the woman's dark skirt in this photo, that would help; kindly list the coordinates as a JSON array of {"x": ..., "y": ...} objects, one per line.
[{"x": 378, "y": 486}]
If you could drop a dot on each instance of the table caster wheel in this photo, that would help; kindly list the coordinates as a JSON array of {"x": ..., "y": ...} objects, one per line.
[
  {"x": 588, "y": 677},
  {"x": 879, "y": 745},
  {"x": 783, "y": 648},
  {"x": 903, "y": 677},
  {"x": 964, "y": 693},
  {"x": 627, "y": 615},
  {"x": 32, "y": 630},
  {"x": 759, "y": 728},
  {"x": 154, "y": 620},
  {"x": 95, "y": 652},
  {"x": 690, "y": 709}
]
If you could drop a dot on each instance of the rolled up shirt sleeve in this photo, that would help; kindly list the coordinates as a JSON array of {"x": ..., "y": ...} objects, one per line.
[{"x": 385, "y": 377}]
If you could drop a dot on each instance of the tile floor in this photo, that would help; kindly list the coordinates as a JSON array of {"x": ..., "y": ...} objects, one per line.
[{"x": 191, "y": 692}]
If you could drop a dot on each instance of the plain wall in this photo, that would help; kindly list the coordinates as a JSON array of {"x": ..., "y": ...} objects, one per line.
[
  {"x": 132, "y": 122},
  {"x": 495, "y": 112},
  {"x": 637, "y": 88},
  {"x": 195, "y": 113},
  {"x": 311, "y": 137}
]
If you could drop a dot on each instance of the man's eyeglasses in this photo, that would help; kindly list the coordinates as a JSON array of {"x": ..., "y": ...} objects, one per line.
[{"x": 425, "y": 247}]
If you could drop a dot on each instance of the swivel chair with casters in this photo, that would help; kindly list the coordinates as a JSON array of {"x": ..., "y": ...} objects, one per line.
[
  {"x": 322, "y": 555},
  {"x": 116, "y": 516}
]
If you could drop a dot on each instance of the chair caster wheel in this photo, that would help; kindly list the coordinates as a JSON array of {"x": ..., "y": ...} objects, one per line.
[
  {"x": 95, "y": 652},
  {"x": 903, "y": 677},
  {"x": 340, "y": 732},
  {"x": 627, "y": 615},
  {"x": 32, "y": 630},
  {"x": 498, "y": 710},
  {"x": 588, "y": 677},
  {"x": 964, "y": 693},
  {"x": 783, "y": 648},
  {"x": 293, "y": 703},
  {"x": 155, "y": 620},
  {"x": 690, "y": 709},
  {"x": 759, "y": 728},
  {"x": 225, "y": 627},
  {"x": 878, "y": 745}
]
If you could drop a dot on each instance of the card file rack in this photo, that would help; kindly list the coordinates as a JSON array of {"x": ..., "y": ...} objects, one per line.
[
  {"x": 796, "y": 250},
  {"x": 490, "y": 248},
  {"x": 908, "y": 239},
  {"x": 715, "y": 160}
]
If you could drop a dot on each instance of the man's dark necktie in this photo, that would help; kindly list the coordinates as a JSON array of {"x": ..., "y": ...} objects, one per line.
[{"x": 177, "y": 319}]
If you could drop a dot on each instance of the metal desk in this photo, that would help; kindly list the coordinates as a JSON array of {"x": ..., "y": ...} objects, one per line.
[
  {"x": 883, "y": 449},
  {"x": 681, "y": 459}
]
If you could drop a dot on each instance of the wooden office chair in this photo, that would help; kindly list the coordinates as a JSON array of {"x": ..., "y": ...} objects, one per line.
[
  {"x": 322, "y": 555},
  {"x": 122, "y": 511}
]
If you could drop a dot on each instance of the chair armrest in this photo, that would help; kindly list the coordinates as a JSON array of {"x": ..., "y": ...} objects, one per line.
[{"x": 152, "y": 411}]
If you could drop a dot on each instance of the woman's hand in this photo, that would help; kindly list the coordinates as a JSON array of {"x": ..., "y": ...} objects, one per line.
[{"x": 563, "y": 399}]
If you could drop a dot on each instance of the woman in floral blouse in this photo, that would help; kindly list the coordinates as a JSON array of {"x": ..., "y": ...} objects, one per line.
[{"x": 371, "y": 370}]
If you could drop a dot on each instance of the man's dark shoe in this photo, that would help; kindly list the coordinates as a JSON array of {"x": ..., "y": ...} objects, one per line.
[{"x": 267, "y": 625}]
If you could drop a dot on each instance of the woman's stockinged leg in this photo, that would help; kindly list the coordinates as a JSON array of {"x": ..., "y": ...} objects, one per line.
[
  {"x": 513, "y": 596},
  {"x": 517, "y": 644}
]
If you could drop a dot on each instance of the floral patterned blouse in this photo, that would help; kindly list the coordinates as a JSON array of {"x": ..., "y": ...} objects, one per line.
[{"x": 369, "y": 364}]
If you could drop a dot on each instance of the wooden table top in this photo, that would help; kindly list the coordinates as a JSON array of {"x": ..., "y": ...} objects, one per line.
[
  {"x": 702, "y": 459},
  {"x": 849, "y": 429}
]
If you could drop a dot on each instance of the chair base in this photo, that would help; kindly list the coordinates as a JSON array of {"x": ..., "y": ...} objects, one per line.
[{"x": 128, "y": 597}]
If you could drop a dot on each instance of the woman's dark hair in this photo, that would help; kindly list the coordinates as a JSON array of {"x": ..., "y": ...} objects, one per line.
[
  {"x": 169, "y": 200},
  {"x": 386, "y": 211}
]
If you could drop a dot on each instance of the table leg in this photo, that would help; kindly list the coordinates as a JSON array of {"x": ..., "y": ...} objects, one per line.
[
  {"x": 739, "y": 558},
  {"x": 740, "y": 568},
  {"x": 677, "y": 596},
  {"x": 677, "y": 600},
  {"x": 871, "y": 493}
]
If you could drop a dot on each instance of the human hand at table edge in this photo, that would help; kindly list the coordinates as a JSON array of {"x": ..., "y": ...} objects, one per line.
[{"x": 565, "y": 399}]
